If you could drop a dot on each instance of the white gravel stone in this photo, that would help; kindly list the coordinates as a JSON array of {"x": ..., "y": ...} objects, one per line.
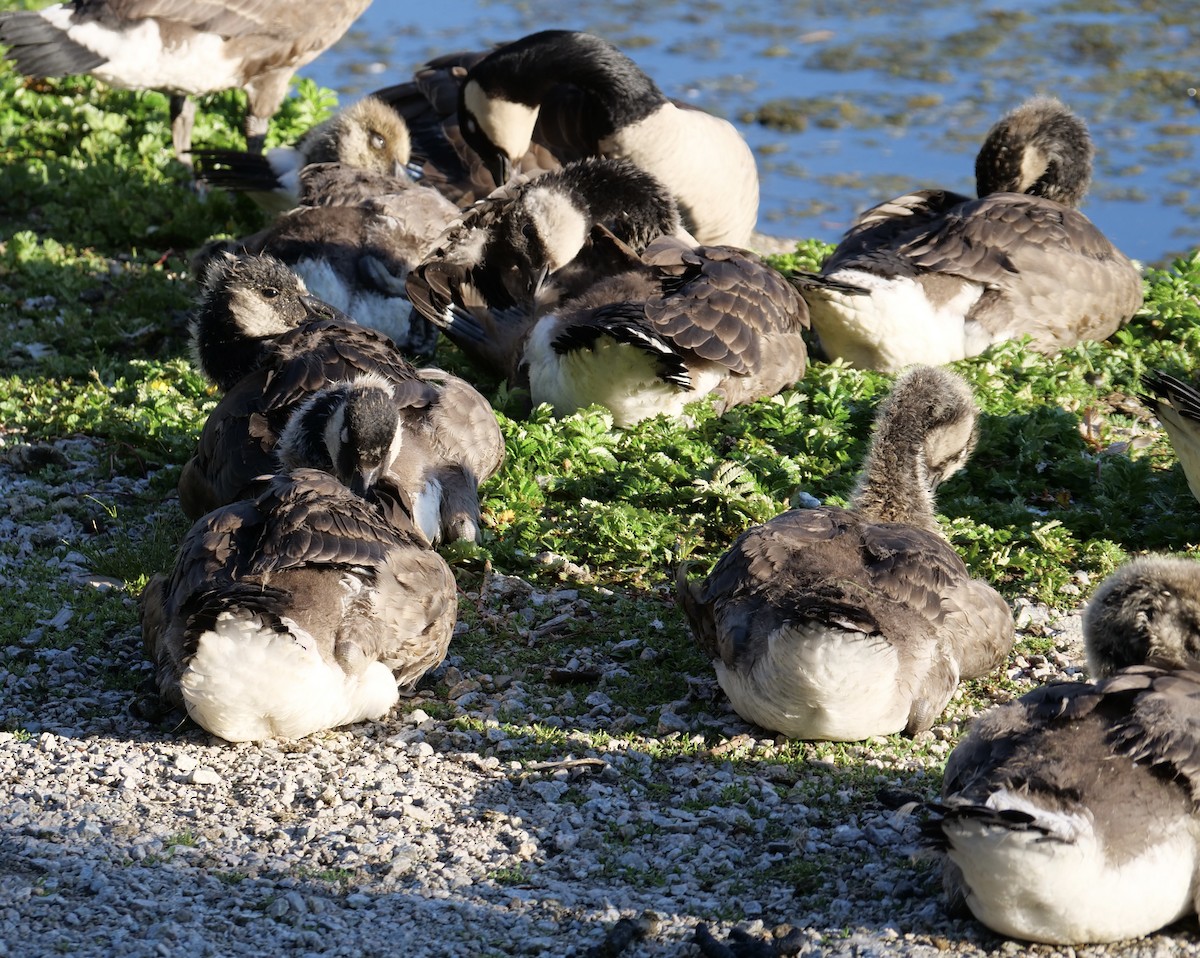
[{"x": 464, "y": 835}]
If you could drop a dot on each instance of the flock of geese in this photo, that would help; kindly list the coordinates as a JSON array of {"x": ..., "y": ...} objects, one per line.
[{"x": 580, "y": 235}]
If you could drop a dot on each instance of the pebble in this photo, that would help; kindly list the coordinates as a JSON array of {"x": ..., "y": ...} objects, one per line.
[{"x": 468, "y": 834}]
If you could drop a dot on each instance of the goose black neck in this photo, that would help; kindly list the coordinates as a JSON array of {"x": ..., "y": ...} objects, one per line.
[{"x": 615, "y": 91}]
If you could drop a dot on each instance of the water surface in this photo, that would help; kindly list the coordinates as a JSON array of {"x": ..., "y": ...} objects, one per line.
[{"x": 849, "y": 103}]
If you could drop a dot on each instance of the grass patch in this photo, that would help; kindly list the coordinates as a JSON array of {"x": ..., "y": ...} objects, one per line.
[{"x": 1070, "y": 478}]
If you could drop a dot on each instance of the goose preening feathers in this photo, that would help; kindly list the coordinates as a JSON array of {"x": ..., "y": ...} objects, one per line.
[
  {"x": 184, "y": 49},
  {"x": 299, "y": 610},
  {"x": 585, "y": 97},
  {"x": 841, "y": 624},
  {"x": 942, "y": 276},
  {"x": 578, "y": 285},
  {"x": 1072, "y": 815},
  {"x": 444, "y": 438},
  {"x": 353, "y": 242}
]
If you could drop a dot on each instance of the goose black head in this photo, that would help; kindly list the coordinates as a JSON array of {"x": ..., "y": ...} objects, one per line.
[
  {"x": 245, "y": 303},
  {"x": 349, "y": 429}
]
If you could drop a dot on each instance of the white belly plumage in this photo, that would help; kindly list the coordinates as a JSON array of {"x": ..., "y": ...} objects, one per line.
[
  {"x": 137, "y": 59},
  {"x": 814, "y": 682},
  {"x": 615, "y": 375},
  {"x": 1061, "y": 888},
  {"x": 894, "y": 326},
  {"x": 247, "y": 683}
]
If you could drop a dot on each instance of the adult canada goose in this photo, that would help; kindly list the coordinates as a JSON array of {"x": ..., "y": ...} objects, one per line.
[
  {"x": 942, "y": 276},
  {"x": 841, "y": 624},
  {"x": 1177, "y": 406},
  {"x": 592, "y": 100},
  {"x": 1071, "y": 815},
  {"x": 296, "y": 611},
  {"x": 184, "y": 49},
  {"x": 534, "y": 285},
  {"x": 448, "y": 439},
  {"x": 533, "y": 237},
  {"x": 367, "y": 135},
  {"x": 356, "y": 255}
]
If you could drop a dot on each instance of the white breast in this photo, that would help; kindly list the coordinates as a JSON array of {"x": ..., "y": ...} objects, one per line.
[
  {"x": 1061, "y": 888},
  {"x": 895, "y": 326},
  {"x": 247, "y": 683},
  {"x": 620, "y": 377},
  {"x": 814, "y": 682},
  {"x": 704, "y": 162}
]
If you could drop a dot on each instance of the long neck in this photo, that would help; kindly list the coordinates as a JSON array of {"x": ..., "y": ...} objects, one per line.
[
  {"x": 895, "y": 485},
  {"x": 615, "y": 90}
]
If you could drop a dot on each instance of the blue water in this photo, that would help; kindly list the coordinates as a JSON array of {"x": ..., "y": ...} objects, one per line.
[{"x": 894, "y": 97}]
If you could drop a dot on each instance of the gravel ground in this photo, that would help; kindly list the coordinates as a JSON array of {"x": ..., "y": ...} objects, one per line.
[{"x": 428, "y": 836}]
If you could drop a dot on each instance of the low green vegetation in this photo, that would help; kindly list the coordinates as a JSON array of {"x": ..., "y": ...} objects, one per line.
[{"x": 97, "y": 221}]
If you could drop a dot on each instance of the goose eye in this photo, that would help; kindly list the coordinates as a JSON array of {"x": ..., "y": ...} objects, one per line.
[
  {"x": 269, "y": 292},
  {"x": 471, "y": 125},
  {"x": 376, "y": 141},
  {"x": 528, "y": 231}
]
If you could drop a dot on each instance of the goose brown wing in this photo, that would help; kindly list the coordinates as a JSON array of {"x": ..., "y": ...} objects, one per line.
[
  {"x": 1163, "y": 726},
  {"x": 720, "y": 303},
  {"x": 875, "y": 241},
  {"x": 235, "y": 445},
  {"x": 308, "y": 517}
]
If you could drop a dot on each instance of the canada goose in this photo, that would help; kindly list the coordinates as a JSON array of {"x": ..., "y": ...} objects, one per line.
[
  {"x": 942, "y": 276},
  {"x": 534, "y": 285},
  {"x": 841, "y": 624},
  {"x": 593, "y": 100},
  {"x": 1177, "y": 406},
  {"x": 679, "y": 324},
  {"x": 364, "y": 430},
  {"x": 184, "y": 49},
  {"x": 449, "y": 442},
  {"x": 356, "y": 255},
  {"x": 1071, "y": 815},
  {"x": 296, "y": 611},
  {"x": 532, "y": 236},
  {"x": 366, "y": 135}
]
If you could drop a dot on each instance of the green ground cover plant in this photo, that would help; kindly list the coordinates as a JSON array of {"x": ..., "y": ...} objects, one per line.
[{"x": 97, "y": 221}]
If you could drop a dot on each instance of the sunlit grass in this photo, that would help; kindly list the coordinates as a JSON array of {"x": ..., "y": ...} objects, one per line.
[{"x": 1071, "y": 475}]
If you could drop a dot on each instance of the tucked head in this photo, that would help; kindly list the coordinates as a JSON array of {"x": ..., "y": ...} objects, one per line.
[
  {"x": 1148, "y": 611},
  {"x": 1040, "y": 148},
  {"x": 499, "y": 130},
  {"x": 349, "y": 429}
]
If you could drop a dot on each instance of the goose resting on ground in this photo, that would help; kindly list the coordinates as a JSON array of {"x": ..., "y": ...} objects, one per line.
[
  {"x": 842, "y": 624},
  {"x": 942, "y": 276},
  {"x": 1073, "y": 814},
  {"x": 299, "y": 610}
]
